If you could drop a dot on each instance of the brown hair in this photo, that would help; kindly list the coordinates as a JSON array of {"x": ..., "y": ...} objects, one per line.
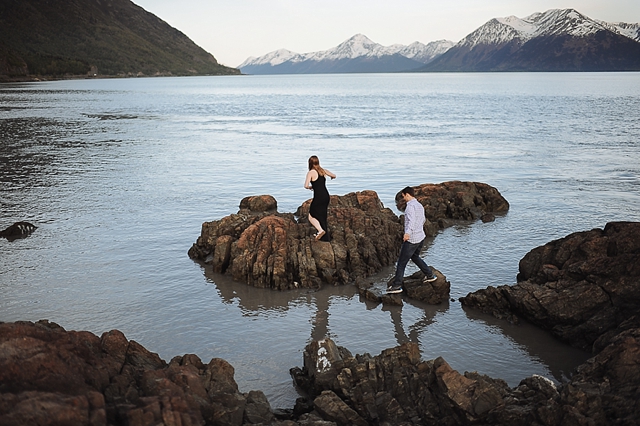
[{"x": 314, "y": 164}]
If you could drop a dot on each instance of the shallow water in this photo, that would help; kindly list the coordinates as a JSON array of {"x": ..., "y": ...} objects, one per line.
[{"x": 120, "y": 174}]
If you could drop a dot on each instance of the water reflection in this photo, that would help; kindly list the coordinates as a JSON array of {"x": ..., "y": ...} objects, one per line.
[{"x": 539, "y": 344}]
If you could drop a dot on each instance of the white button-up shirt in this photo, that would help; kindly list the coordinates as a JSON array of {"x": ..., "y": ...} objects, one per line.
[{"x": 414, "y": 221}]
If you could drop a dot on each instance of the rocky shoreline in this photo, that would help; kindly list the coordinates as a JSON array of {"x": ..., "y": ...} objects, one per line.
[{"x": 584, "y": 288}]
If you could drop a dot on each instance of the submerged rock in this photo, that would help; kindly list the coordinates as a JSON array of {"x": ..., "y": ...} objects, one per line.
[
  {"x": 18, "y": 230},
  {"x": 268, "y": 249}
]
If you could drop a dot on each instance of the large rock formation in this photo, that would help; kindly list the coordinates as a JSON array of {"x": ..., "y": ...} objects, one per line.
[
  {"x": 397, "y": 388},
  {"x": 268, "y": 249},
  {"x": 50, "y": 376},
  {"x": 449, "y": 202},
  {"x": 583, "y": 287}
]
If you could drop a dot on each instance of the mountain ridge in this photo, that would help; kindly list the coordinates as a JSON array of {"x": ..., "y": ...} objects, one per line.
[
  {"x": 555, "y": 40},
  {"x": 95, "y": 37},
  {"x": 356, "y": 54}
]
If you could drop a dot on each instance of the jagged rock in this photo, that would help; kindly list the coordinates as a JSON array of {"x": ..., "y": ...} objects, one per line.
[
  {"x": 50, "y": 376},
  {"x": 396, "y": 387},
  {"x": 333, "y": 409},
  {"x": 268, "y": 249},
  {"x": 578, "y": 287},
  {"x": 452, "y": 201}
]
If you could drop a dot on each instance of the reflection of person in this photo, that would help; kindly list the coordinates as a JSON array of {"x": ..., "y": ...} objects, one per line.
[
  {"x": 316, "y": 181},
  {"x": 412, "y": 241}
]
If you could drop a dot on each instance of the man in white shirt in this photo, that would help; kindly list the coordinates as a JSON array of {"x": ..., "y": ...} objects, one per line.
[{"x": 412, "y": 241}]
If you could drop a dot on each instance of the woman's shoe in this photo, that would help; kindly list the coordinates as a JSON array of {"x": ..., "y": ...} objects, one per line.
[{"x": 320, "y": 234}]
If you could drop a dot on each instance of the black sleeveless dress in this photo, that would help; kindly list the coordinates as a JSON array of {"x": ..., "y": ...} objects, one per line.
[{"x": 320, "y": 203}]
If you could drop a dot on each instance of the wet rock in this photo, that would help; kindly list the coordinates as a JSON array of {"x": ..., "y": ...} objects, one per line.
[
  {"x": 452, "y": 201},
  {"x": 18, "y": 230},
  {"x": 272, "y": 250},
  {"x": 268, "y": 249},
  {"x": 396, "y": 387},
  {"x": 580, "y": 287},
  {"x": 50, "y": 376},
  {"x": 585, "y": 289},
  {"x": 433, "y": 293}
]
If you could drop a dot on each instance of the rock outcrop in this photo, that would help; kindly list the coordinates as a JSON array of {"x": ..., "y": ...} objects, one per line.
[
  {"x": 50, "y": 376},
  {"x": 267, "y": 249},
  {"x": 449, "y": 202},
  {"x": 397, "y": 388},
  {"x": 584, "y": 288},
  {"x": 274, "y": 250}
]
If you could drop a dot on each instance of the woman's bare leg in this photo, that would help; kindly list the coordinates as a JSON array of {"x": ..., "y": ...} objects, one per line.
[{"x": 315, "y": 224}]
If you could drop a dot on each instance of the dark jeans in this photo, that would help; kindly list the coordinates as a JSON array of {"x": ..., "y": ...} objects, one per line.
[{"x": 410, "y": 251}]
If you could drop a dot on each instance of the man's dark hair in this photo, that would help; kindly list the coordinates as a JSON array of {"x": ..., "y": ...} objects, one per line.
[{"x": 408, "y": 190}]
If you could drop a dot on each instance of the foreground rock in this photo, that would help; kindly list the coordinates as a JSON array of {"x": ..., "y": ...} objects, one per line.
[
  {"x": 397, "y": 388},
  {"x": 584, "y": 288},
  {"x": 268, "y": 249},
  {"x": 50, "y": 376}
]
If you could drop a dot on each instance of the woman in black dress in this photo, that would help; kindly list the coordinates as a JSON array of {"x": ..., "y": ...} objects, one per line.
[{"x": 316, "y": 181}]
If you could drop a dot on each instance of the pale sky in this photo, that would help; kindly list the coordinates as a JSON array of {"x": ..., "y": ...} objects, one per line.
[{"x": 233, "y": 30}]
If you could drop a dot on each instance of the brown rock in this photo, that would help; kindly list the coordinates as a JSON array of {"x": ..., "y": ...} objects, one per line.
[
  {"x": 448, "y": 202},
  {"x": 267, "y": 249},
  {"x": 579, "y": 287},
  {"x": 50, "y": 376}
]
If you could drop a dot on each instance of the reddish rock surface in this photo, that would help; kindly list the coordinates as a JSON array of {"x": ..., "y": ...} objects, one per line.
[
  {"x": 264, "y": 248},
  {"x": 50, "y": 376},
  {"x": 448, "y": 202}
]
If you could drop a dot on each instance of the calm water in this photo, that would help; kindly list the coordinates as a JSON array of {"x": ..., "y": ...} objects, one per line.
[{"x": 120, "y": 174}]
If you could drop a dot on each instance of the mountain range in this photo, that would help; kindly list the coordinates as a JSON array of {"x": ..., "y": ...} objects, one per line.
[
  {"x": 357, "y": 54},
  {"x": 556, "y": 40},
  {"x": 94, "y": 37}
]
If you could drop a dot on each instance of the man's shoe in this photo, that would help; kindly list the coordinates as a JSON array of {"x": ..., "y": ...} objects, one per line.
[
  {"x": 393, "y": 289},
  {"x": 430, "y": 279}
]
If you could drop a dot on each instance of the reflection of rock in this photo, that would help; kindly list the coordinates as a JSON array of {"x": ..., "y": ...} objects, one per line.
[
  {"x": 273, "y": 250},
  {"x": 51, "y": 376},
  {"x": 18, "y": 230},
  {"x": 447, "y": 202}
]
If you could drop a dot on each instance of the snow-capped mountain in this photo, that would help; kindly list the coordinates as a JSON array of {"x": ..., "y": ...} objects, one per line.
[
  {"x": 556, "y": 40},
  {"x": 357, "y": 54}
]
